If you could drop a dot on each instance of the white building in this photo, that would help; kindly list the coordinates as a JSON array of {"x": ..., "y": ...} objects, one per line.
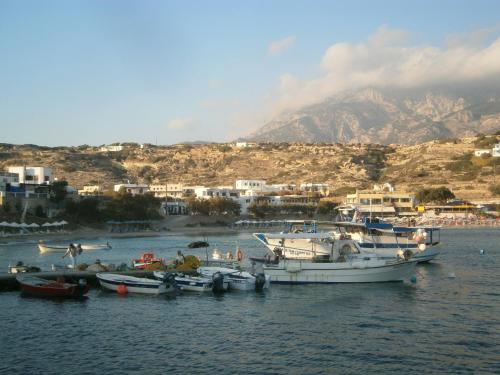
[
  {"x": 33, "y": 175},
  {"x": 282, "y": 187},
  {"x": 167, "y": 190},
  {"x": 496, "y": 151},
  {"x": 134, "y": 189},
  {"x": 323, "y": 189},
  {"x": 245, "y": 144},
  {"x": 257, "y": 185},
  {"x": 202, "y": 192},
  {"x": 90, "y": 190},
  {"x": 111, "y": 148},
  {"x": 482, "y": 152},
  {"x": 9, "y": 178}
]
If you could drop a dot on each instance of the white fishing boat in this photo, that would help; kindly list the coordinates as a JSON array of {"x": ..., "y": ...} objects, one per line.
[
  {"x": 379, "y": 238},
  {"x": 346, "y": 262},
  {"x": 195, "y": 283},
  {"x": 238, "y": 280},
  {"x": 128, "y": 284},
  {"x": 44, "y": 248}
]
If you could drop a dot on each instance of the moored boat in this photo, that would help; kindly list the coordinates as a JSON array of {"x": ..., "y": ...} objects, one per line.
[
  {"x": 238, "y": 280},
  {"x": 345, "y": 263},
  {"x": 44, "y": 248},
  {"x": 194, "y": 283},
  {"x": 129, "y": 284},
  {"x": 146, "y": 260},
  {"x": 39, "y": 287}
]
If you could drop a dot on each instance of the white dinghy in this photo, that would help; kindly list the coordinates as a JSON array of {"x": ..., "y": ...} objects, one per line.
[
  {"x": 238, "y": 280},
  {"x": 128, "y": 284},
  {"x": 196, "y": 283}
]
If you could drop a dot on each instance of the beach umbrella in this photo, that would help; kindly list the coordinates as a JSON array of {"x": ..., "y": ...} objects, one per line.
[
  {"x": 63, "y": 222},
  {"x": 46, "y": 225},
  {"x": 14, "y": 225},
  {"x": 4, "y": 224},
  {"x": 34, "y": 225},
  {"x": 24, "y": 225}
]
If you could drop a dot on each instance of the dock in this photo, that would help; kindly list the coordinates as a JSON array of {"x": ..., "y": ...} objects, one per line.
[{"x": 8, "y": 281}]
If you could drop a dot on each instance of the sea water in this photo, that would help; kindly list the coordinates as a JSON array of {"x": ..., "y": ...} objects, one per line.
[{"x": 440, "y": 324}]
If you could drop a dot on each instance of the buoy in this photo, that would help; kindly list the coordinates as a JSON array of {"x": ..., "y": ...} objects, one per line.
[
  {"x": 122, "y": 289},
  {"x": 481, "y": 252},
  {"x": 413, "y": 279}
]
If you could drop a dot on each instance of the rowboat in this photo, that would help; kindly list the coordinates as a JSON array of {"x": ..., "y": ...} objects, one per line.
[
  {"x": 128, "y": 284},
  {"x": 44, "y": 248},
  {"x": 36, "y": 286}
]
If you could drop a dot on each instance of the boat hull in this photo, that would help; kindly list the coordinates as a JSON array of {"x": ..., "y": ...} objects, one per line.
[
  {"x": 62, "y": 249},
  {"x": 296, "y": 272},
  {"x": 189, "y": 283},
  {"x": 38, "y": 287},
  {"x": 238, "y": 280},
  {"x": 134, "y": 284}
]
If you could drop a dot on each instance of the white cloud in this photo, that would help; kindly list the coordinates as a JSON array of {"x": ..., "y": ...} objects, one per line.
[
  {"x": 279, "y": 46},
  {"x": 180, "y": 123},
  {"x": 386, "y": 60}
]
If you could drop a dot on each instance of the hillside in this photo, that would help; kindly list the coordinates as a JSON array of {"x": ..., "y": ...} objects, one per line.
[
  {"x": 386, "y": 117},
  {"x": 435, "y": 163}
]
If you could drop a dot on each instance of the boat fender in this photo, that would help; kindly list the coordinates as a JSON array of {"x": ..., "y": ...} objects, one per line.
[
  {"x": 260, "y": 281},
  {"x": 217, "y": 282},
  {"x": 239, "y": 255},
  {"x": 122, "y": 289}
]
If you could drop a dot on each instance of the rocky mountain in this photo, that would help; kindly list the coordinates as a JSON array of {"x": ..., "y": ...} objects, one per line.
[{"x": 388, "y": 117}]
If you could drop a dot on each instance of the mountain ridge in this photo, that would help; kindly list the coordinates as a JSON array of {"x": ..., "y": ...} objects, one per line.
[{"x": 373, "y": 115}]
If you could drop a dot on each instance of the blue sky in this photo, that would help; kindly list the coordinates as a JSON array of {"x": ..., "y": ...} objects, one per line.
[{"x": 95, "y": 72}]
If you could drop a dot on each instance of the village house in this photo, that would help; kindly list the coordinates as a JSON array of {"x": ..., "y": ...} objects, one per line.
[
  {"x": 321, "y": 188},
  {"x": 33, "y": 175},
  {"x": 111, "y": 148},
  {"x": 91, "y": 190},
  {"x": 382, "y": 203},
  {"x": 134, "y": 189}
]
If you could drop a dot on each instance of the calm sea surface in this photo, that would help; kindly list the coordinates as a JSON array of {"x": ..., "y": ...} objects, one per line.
[{"x": 448, "y": 322}]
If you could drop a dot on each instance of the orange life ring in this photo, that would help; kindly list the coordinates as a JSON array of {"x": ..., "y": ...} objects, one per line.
[{"x": 239, "y": 255}]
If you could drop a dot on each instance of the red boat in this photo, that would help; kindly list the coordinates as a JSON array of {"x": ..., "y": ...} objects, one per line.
[
  {"x": 145, "y": 260},
  {"x": 36, "y": 286}
]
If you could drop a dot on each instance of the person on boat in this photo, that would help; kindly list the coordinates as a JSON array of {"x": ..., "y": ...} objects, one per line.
[
  {"x": 180, "y": 258},
  {"x": 79, "y": 248},
  {"x": 72, "y": 252},
  {"x": 229, "y": 255}
]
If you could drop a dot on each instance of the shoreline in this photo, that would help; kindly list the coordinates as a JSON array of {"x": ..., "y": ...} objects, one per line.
[{"x": 190, "y": 231}]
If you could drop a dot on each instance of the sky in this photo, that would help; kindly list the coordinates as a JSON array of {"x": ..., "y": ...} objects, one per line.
[{"x": 165, "y": 72}]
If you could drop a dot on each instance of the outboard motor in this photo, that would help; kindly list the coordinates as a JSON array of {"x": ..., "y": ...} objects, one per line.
[
  {"x": 260, "y": 281},
  {"x": 169, "y": 281},
  {"x": 82, "y": 285},
  {"x": 218, "y": 282},
  {"x": 407, "y": 254}
]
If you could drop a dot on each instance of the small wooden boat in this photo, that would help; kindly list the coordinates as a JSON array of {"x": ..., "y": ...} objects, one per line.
[
  {"x": 128, "y": 284},
  {"x": 36, "y": 286},
  {"x": 146, "y": 260},
  {"x": 44, "y": 248}
]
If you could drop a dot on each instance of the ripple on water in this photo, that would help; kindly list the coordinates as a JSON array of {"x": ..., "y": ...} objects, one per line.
[{"x": 439, "y": 325}]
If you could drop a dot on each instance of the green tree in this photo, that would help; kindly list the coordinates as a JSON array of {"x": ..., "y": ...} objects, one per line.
[
  {"x": 437, "y": 195},
  {"x": 58, "y": 191}
]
